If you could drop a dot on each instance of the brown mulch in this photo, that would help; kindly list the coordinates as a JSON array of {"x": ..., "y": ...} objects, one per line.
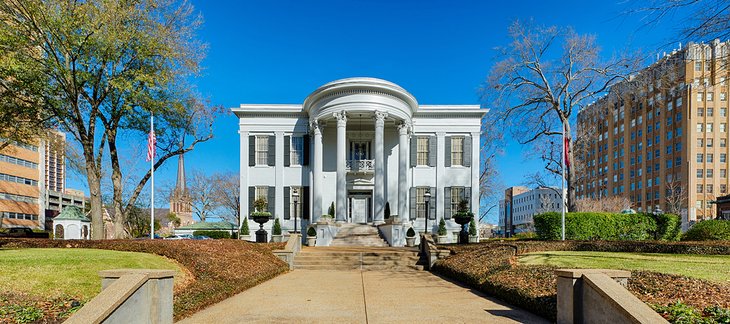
[
  {"x": 492, "y": 268},
  {"x": 220, "y": 269}
]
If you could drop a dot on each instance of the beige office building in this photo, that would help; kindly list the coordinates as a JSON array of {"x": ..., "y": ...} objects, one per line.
[{"x": 661, "y": 138}]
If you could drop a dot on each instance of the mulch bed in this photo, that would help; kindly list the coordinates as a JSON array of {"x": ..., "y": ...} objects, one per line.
[
  {"x": 220, "y": 269},
  {"x": 492, "y": 268}
]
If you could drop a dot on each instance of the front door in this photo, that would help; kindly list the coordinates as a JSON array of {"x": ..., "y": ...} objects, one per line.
[{"x": 360, "y": 207}]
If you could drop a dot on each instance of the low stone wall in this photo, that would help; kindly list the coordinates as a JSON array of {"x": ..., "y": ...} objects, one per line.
[
  {"x": 326, "y": 232},
  {"x": 394, "y": 234},
  {"x": 130, "y": 296},
  {"x": 600, "y": 296},
  {"x": 292, "y": 248},
  {"x": 429, "y": 251}
]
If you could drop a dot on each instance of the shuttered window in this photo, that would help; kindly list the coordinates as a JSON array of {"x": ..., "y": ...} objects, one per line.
[
  {"x": 457, "y": 150},
  {"x": 262, "y": 192},
  {"x": 457, "y": 195},
  {"x": 422, "y": 151},
  {"x": 297, "y": 150},
  {"x": 420, "y": 203},
  {"x": 262, "y": 151}
]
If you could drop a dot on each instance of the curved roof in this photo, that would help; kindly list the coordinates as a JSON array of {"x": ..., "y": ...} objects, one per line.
[
  {"x": 360, "y": 94},
  {"x": 71, "y": 213}
]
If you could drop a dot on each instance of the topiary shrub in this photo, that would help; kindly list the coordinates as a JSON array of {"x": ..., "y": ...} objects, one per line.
[
  {"x": 244, "y": 228},
  {"x": 410, "y": 232},
  {"x": 311, "y": 231},
  {"x": 276, "y": 229},
  {"x": 331, "y": 210},
  {"x": 387, "y": 210},
  {"x": 709, "y": 230},
  {"x": 213, "y": 234},
  {"x": 668, "y": 227},
  {"x": 442, "y": 227},
  {"x": 472, "y": 227}
]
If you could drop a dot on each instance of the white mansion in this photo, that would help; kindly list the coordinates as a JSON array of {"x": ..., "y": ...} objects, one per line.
[{"x": 360, "y": 144}]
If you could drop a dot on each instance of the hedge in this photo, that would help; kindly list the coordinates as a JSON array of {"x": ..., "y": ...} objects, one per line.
[
  {"x": 209, "y": 262},
  {"x": 491, "y": 268},
  {"x": 213, "y": 234},
  {"x": 608, "y": 226},
  {"x": 708, "y": 230}
]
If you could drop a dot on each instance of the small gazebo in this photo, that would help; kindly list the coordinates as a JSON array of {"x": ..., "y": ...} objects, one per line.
[{"x": 71, "y": 224}]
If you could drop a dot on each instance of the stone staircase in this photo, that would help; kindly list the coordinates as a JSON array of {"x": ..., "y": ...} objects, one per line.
[
  {"x": 358, "y": 258},
  {"x": 358, "y": 235}
]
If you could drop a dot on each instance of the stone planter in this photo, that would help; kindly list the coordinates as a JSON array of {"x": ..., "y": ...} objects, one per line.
[
  {"x": 411, "y": 241},
  {"x": 246, "y": 237},
  {"x": 311, "y": 240},
  {"x": 473, "y": 239},
  {"x": 442, "y": 239},
  {"x": 277, "y": 238}
]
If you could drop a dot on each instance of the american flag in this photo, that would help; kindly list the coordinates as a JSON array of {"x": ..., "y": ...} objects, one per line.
[{"x": 151, "y": 142}]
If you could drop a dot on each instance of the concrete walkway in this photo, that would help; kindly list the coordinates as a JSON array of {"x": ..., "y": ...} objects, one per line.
[{"x": 323, "y": 296}]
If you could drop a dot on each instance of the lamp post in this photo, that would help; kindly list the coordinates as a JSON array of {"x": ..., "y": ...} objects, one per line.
[
  {"x": 295, "y": 199},
  {"x": 427, "y": 199}
]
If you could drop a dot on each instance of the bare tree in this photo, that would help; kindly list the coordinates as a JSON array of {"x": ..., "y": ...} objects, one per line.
[
  {"x": 700, "y": 19},
  {"x": 604, "y": 204},
  {"x": 489, "y": 184},
  {"x": 202, "y": 189},
  {"x": 545, "y": 76},
  {"x": 227, "y": 195},
  {"x": 676, "y": 196}
]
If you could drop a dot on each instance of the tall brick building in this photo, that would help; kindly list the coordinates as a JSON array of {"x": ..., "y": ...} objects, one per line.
[{"x": 661, "y": 138}]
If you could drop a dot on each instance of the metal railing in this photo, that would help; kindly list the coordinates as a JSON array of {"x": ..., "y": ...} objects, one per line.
[{"x": 360, "y": 165}]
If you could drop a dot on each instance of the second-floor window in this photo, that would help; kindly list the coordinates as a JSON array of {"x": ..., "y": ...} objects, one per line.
[
  {"x": 457, "y": 150},
  {"x": 422, "y": 148},
  {"x": 262, "y": 150},
  {"x": 296, "y": 150}
]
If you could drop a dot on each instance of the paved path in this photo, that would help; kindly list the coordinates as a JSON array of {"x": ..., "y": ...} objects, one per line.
[{"x": 323, "y": 296}]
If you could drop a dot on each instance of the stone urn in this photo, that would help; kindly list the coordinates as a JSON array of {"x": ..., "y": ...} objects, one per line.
[
  {"x": 261, "y": 218},
  {"x": 410, "y": 237},
  {"x": 463, "y": 218},
  {"x": 311, "y": 236},
  {"x": 473, "y": 239}
]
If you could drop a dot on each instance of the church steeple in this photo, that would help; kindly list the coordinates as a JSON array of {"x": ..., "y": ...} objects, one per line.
[
  {"x": 180, "y": 184},
  {"x": 180, "y": 203}
]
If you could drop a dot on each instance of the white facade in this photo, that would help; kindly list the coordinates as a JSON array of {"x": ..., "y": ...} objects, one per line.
[
  {"x": 528, "y": 204},
  {"x": 355, "y": 143}
]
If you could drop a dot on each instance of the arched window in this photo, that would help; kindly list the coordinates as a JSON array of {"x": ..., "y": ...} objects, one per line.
[{"x": 58, "y": 233}]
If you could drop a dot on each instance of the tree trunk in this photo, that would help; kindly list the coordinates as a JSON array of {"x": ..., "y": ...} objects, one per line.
[
  {"x": 93, "y": 179},
  {"x": 117, "y": 187},
  {"x": 570, "y": 176}
]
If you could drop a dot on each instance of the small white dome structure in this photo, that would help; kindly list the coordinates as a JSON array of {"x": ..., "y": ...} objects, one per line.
[{"x": 71, "y": 224}]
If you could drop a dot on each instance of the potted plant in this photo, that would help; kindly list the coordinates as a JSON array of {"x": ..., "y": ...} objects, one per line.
[
  {"x": 276, "y": 231},
  {"x": 462, "y": 217},
  {"x": 410, "y": 237},
  {"x": 441, "y": 238},
  {"x": 473, "y": 238},
  {"x": 311, "y": 236},
  {"x": 245, "y": 233},
  {"x": 261, "y": 216}
]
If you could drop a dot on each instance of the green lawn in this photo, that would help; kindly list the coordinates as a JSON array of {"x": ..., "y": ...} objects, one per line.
[
  {"x": 710, "y": 267},
  {"x": 50, "y": 273}
]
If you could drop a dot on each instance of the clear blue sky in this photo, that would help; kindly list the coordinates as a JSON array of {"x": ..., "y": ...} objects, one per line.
[{"x": 440, "y": 51}]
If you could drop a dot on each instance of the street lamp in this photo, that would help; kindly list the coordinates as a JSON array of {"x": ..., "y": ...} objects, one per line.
[
  {"x": 426, "y": 199},
  {"x": 295, "y": 198}
]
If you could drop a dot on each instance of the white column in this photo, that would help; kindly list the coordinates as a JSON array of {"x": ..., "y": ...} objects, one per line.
[
  {"x": 316, "y": 172},
  {"x": 341, "y": 202},
  {"x": 403, "y": 151},
  {"x": 379, "y": 190},
  {"x": 475, "y": 167},
  {"x": 243, "y": 180},
  {"x": 279, "y": 177}
]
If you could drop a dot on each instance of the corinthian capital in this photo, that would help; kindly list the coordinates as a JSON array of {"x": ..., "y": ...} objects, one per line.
[
  {"x": 341, "y": 118},
  {"x": 404, "y": 127},
  {"x": 314, "y": 126}
]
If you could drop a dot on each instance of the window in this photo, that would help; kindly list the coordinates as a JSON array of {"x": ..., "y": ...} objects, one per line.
[
  {"x": 709, "y": 142},
  {"x": 710, "y": 96},
  {"x": 422, "y": 151},
  {"x": 297, "y": 149},
  {"x": 723, "y": 96},
  {"x": 723, "y": 173},
  {"x": 262, "y": 150},
  {"x": 700, "y": 96},
  {"x": 295, "y": 210},
  {"x": 700, "y": 173},
  {"x": 708, "y": 188},
  {"x": 16, "y": 179},
  {"x": 700, "y": 127},
  {"x": 698, "y": 66},
  {"x": 700, "y": 112},
  {"x": 262, "y": 193},
  {"x": 699, "y": 188},
  {"x": 708, "y": 173},
  {"x": 457, "y": 150},
  {"x": 723, "y": 142},
  {"x": 710, "y": 112},
  {"x": 723, "y": 188},
  {"x": 700, "y": 142},
  {"x": 723, "y": 157},
  {"x": 708, "y": 128},
  {"x": 723, "y": 112},
  {"x": 710, "y": 157},
  {"x": 457, "y": 194},
  {"x": 21, "y": 162},
  {"x": 420, "y": 203},
  {"x": 700, "y": 157},
  {"x": 723, "y": 127}
]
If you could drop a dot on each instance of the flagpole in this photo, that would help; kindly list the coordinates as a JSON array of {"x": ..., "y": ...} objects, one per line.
[
  {"x": 152, "y": 181},
  {"x": 562, "y": 186}
]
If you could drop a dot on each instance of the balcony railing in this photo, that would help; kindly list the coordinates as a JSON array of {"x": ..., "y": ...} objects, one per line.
[{"x": 360, "y": 165}]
